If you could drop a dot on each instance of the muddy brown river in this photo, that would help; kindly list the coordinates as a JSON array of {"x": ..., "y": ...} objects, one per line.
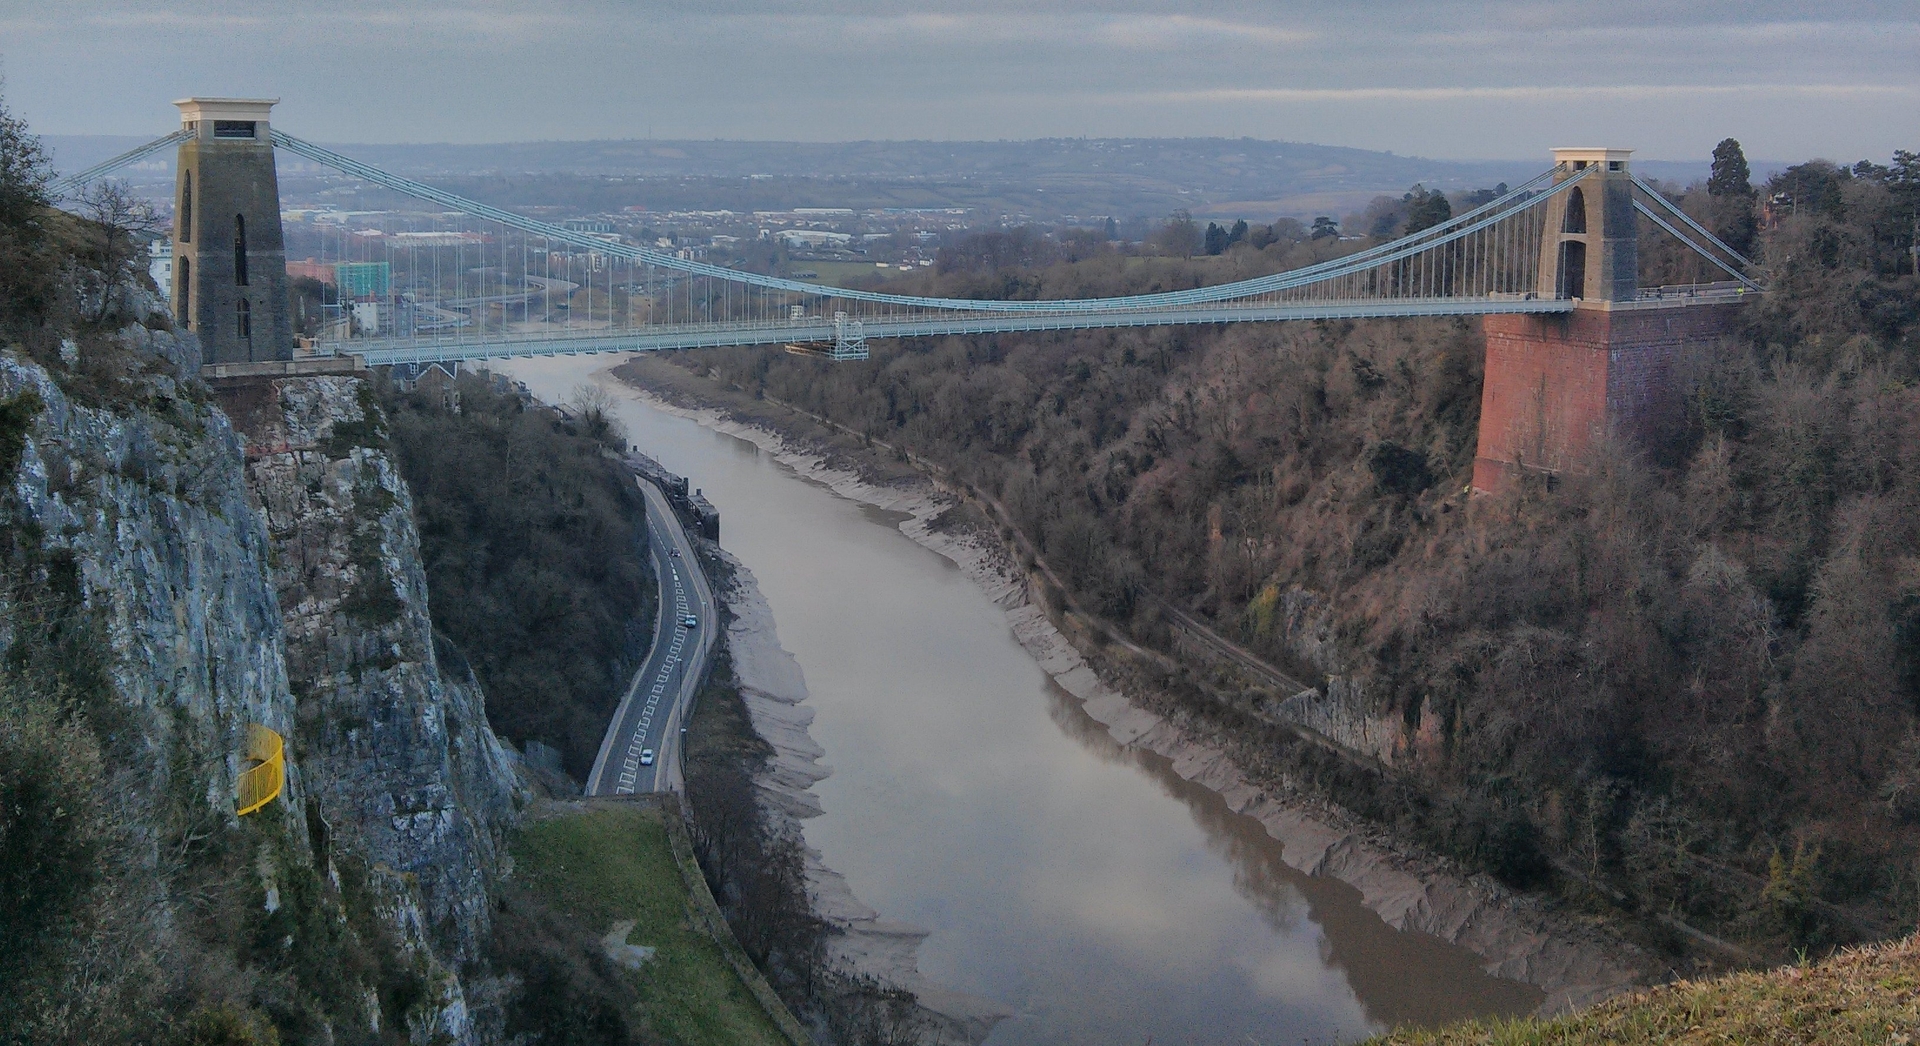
[{"x": 1101, "y": 897}]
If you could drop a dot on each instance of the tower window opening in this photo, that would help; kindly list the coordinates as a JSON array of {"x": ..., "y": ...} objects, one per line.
[
  {"x": 245, "y": 318},
  {"x": 1616, "y": 165},
  {"x": 233, "y": 129},
  {"x": 240, "y": 250},
  {"x": 1578, "y": 165},
  {"x": 1576, "y": 220},
  {"x": 186, "y": 292},
  {"x": 186, "y": 207}
]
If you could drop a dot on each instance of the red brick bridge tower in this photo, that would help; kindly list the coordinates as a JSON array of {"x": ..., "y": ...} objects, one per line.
[{"x": 1560, "y": 386}]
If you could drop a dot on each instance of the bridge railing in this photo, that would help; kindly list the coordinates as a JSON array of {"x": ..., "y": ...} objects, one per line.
[{"x": 1728, "y": 289}]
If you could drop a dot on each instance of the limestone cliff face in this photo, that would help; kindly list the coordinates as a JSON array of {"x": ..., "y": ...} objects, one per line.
[
  {"x": 152, "y": 511},
  {"x": 397, "y": 749},
  {"x": 276, "y": 580}
]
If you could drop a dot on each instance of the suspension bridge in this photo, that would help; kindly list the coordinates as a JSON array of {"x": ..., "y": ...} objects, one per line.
[{"x": 487, "y": 283}]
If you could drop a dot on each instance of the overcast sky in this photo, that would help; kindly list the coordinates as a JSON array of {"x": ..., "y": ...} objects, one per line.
[{"x": 1448, "y": 79}]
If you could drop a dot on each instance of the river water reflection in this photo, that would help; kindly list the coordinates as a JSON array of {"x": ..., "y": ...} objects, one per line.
[{"x": 1086, "y": 886}]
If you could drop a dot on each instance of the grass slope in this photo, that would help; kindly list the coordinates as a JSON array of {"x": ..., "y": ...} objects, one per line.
[
  {"x": 614, "y": 863},
  {"x": 1861, "y": 996}
]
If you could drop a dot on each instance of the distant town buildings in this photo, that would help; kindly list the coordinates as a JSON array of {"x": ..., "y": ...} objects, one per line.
[
  {"x": 812, "y": 237},
  {"x": 442, "y": 270},
  {"x": 367, "y": 316},
  {"x": 160, "y": 267},
  {"x": 310, "y": 270},
  {"x": 359, "y": 280},
  {"x": 351, "y": 279}
]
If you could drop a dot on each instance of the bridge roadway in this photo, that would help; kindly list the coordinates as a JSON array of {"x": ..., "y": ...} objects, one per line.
[
  {"x": 657, "y": 701},
  {"x": 380, "y": 352}
]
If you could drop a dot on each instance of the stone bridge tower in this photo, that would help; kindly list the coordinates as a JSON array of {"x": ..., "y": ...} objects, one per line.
[
  {"x": 1591, "y": 249},
  {"x": 1562, "y": 387},
  {"x": 230, "y": 264}
]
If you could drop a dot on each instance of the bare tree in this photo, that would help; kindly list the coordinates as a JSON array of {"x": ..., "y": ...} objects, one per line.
[
  {"x": 119, "y": 223},
  {"x": 862, "y": 1011},
  {"x": 595, "y": 406},
  {"x": 1179, "y": 237}
]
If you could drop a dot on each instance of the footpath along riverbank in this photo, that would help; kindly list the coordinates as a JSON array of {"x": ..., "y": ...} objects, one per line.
[{"x": 1516, "y": 938}]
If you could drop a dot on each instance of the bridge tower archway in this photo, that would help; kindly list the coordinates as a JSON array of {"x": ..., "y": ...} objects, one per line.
[
  {"x": 1576, "y": 216},
  {"x": 1591, "y": 250}
]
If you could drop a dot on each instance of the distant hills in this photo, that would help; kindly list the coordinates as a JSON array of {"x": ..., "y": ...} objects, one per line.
[{"x": 1044, "y": 178}]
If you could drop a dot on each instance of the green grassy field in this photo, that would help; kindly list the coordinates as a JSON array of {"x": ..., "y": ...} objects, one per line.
[
  {"x": 1865, "y": 997},
  {"x": 612, "y": 864},
  {"x": 837, "y": 273}
]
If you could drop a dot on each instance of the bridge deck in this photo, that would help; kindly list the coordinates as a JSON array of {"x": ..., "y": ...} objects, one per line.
[{"x": 472, "y": 345}]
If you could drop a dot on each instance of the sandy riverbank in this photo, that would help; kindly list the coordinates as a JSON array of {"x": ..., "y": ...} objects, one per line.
[{"x": 1571, "y": 963}]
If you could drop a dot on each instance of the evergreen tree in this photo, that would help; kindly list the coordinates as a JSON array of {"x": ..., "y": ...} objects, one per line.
[
  {"x": 1731, "y": 189},
  {"x": 23, "y": 171},
  {"x": 27, "y": 267},
  {"x": 1216, "y": 238},
  {"x": 1426, "y": 209},
  {"x": 1731, "y": 176},
  {"x": 1814, "y": 187},
  {"x": 1325, "y": 228}
]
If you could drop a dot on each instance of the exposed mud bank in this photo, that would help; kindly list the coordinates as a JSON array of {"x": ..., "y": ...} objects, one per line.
[{"x": 1572, "y": 963}]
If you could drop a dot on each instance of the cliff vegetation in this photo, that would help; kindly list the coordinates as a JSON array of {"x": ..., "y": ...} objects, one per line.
[
  {"x": 1867, "y": 996},
  {"x": 535, "y": 550}
]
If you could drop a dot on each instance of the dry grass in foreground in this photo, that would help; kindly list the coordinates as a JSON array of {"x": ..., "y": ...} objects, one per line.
[{"x": 1867, "y": 995}]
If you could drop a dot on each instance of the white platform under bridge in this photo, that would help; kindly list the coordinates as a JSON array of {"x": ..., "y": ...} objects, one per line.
[{"x": 849, "y": 341}]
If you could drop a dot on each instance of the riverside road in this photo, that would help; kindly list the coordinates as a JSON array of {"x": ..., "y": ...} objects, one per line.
[{"x": 653, "y": 710}]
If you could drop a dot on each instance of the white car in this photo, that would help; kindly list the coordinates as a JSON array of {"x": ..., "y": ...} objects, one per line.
[
  {"x": 646, "y": 757},
  {"x": 690, "y": 621}
]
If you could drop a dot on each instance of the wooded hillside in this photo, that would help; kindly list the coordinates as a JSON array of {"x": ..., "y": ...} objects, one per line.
[
  {"x": 1685, "y": 682},
  {"x": 536, "y": 556}
]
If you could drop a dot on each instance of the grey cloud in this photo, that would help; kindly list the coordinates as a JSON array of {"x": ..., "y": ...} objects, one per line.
[{"x": 1466, "y": 78}]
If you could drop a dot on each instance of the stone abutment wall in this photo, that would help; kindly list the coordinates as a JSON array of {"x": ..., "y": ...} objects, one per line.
[{"x": 1558, "y": 388}]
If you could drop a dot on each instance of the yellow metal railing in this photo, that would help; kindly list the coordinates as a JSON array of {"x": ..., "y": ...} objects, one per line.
[{"x": 261, "y": 783}]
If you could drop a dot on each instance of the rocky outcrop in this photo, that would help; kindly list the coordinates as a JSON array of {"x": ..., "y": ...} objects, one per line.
[
  {"x": 150, "y": 508},
  {"x": 1341, "y": 714},
  {"x": 1341, "y": 709},
  {"x": 400, "y": 762},
  {"x": 270, "y": 578}
]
